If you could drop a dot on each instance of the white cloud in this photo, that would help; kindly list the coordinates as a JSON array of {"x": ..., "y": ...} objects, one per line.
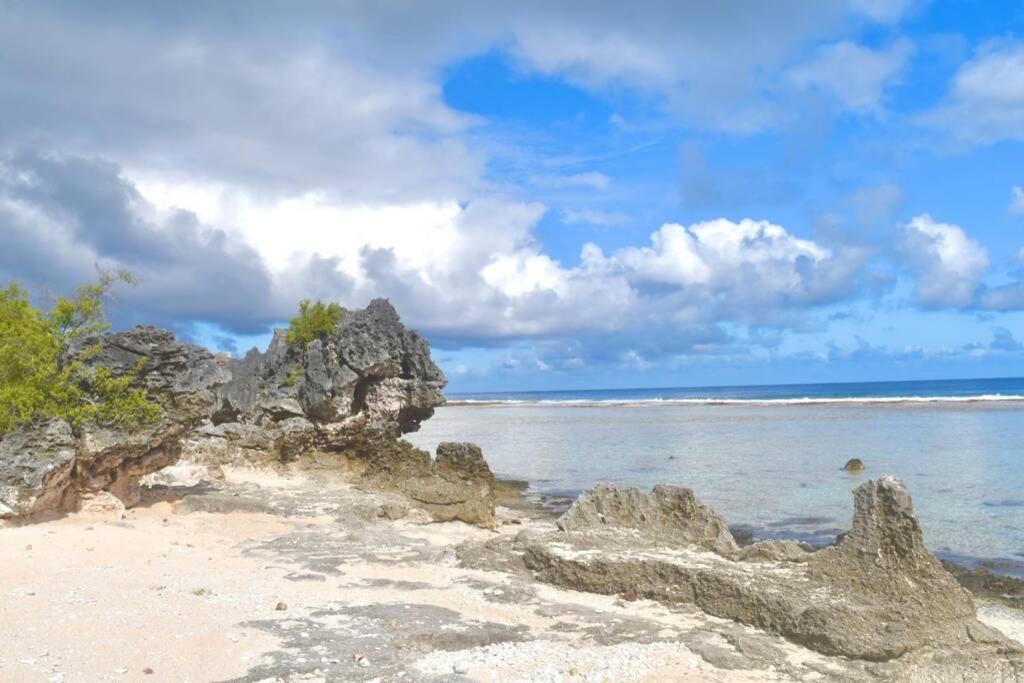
[
  {"x": 949, "y": 265},
  {"x": 595, "y": 217},
  {"x": 748, "y": 270},
  {"x": 854, "y": 75},
  {"x": 1017, "y": 200},
  {"x": 477, "y": 269},
  {"x": 985, "y": 102}
]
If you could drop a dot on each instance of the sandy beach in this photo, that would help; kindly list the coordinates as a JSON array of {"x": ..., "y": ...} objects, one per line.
[
  {"x": 315, "y": 591},
  {"x": 318, "y": 590}
]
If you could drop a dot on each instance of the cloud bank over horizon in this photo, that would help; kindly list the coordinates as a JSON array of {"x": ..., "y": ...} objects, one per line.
[{"x": 575, "y": 196}]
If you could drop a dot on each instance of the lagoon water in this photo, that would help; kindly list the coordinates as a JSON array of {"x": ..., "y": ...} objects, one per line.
[{"x": 770, "y": 458}]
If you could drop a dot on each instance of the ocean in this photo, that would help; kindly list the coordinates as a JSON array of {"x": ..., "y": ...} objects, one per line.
[{"x": 770, "y": 458}]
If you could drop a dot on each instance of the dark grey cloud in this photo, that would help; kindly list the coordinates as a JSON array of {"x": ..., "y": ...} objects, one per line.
[{"x": 61, "y": 218}]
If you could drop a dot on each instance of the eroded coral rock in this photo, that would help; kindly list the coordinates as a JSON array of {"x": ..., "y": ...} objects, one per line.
[
  {"x": 46, "y": 467},
  {"x": 672, "y": 512},
  {"x": 35, "y": 469},
  {"x": 338, "y": 404},
  {"x": 457, "y": 485},
  {"x": 876, "y": 596}
]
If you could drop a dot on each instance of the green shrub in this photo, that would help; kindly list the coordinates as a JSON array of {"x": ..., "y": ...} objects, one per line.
[
  {"x": 314, "y": 321},
  {"x": 34, "y": 382}
]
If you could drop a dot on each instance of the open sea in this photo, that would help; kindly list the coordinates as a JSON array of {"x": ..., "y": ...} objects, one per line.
[{"x": 770, "y": 458}]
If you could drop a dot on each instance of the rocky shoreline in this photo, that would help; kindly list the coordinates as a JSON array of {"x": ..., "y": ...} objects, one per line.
[{"x": 338, "y": 551}]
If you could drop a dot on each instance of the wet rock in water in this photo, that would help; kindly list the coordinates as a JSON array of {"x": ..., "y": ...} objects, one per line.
[
  {"x": 671, "y": 512},
  {"x": 854, "y": 465},
  {"x": 876, "y": 596}
]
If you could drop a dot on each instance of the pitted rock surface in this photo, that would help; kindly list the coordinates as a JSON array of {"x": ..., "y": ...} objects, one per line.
[
  {"x": 340, "y": 403},
  {"x": 671, "y": 512},
  {"x": 46, "y": 467},
  {"x": 878, "y": 595},
  {"x": 35, "y": 468}
]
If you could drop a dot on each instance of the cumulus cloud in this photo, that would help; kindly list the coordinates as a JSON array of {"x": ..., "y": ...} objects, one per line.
[
  {"x": 1003, "y": 340},
  {"x": 61, "y": 218},
  {"x": 949, "y": 265},
  {"x": 239, "y": 161},
  {"x": 854, "y": 75},
  {"x": 985, "y": 102},
  {"x": 748, "y": 270},
  {"x": 465, "y": 274}
]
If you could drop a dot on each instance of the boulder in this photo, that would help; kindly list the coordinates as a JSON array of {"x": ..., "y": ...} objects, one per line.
[
  {"x": 669, "y": 512},
  {"x": 875, "y": 596},
  {"x": 457, "y": 485}
]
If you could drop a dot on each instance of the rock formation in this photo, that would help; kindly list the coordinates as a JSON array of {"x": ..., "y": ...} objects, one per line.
[
  {"x": 671, "y": 513},
  {"x": 341, "y": 403},
  {"x": 877, "y": 595},
  {"x": 48, "y": 467}
]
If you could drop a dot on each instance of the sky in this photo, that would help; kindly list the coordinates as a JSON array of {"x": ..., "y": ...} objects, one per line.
[{"x": 558, "y": 195}]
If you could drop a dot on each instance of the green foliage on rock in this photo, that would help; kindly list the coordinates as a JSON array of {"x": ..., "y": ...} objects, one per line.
[
  {"x": 314, "y": 321},
  {"x": 35, "y": 382}
]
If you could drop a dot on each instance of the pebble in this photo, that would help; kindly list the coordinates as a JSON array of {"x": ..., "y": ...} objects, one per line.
[
  {"x": 362, "y": 661},
  {"x": 460, "y": 668},
  {"x": 281, "y": 607}
]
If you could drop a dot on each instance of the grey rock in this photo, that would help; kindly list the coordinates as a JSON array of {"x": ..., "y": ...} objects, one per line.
[
  {"x": 458, "y": 486},
  {"x": 340, "y": 403},
  {"x": 670, "y": 512},
  {"x": 774, "y": 551},
  {"x": 877, "y": 596},
  {"x": 35, "y": 468},
  {"x": 45, "y": 467}
]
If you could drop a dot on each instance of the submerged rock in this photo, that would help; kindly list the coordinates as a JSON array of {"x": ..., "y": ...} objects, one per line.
[
  {"x": 876, "y": 596},
  {"x": 854, "y": 465}
]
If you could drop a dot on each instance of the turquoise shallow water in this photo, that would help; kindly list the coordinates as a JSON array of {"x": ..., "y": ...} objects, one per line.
[{"x": 772, "y": 467}]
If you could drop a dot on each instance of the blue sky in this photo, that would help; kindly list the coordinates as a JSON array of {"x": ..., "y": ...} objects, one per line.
[{"x": 559, "y": 195}]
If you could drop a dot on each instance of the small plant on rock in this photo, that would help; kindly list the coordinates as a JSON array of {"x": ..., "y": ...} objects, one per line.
[{"x": 314, "y": 321}]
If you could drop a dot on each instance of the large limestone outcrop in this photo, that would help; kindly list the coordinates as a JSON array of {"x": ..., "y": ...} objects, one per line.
[
  {"x": 48, "y": 467},
  {"x": 877, "y": 595},
  {"x": 367, "y": 383},
  {"x": 340, "y": 403}
]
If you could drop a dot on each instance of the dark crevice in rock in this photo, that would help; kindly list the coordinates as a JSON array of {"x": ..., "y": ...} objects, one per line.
[{"x": 360, "y": 392}]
